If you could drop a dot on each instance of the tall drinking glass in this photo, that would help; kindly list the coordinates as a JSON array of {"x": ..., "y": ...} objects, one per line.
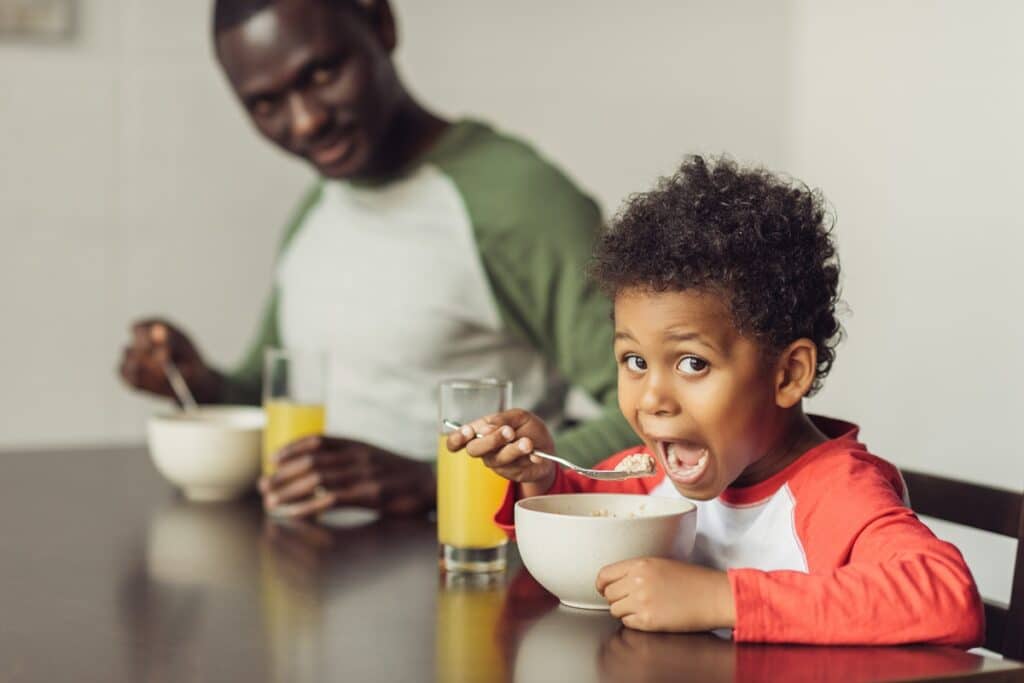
[
  {"x": 293, "y": 399},
  {"x": 468, "y": 493}
]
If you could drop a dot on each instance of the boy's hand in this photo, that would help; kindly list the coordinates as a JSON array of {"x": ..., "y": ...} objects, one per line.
[
  {"x": 505, "y": 443},
  {"x": 656, "y": 594}
]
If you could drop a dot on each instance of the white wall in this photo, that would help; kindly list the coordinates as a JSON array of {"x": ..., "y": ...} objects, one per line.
[
  {"x": 131, "y": 184},
  {"x": 908, "y": 115}
]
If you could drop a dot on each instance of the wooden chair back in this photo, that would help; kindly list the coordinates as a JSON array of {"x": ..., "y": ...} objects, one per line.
[{"x": 989, "y": 509}]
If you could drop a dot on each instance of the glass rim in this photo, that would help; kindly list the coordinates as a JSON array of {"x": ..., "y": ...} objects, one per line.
[
  {"x": 275, "y": 352},
  {"x": 479, "y": 383}
]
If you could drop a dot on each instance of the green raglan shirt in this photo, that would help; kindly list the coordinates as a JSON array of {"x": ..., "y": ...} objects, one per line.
[{"x": 471, "y": 262}]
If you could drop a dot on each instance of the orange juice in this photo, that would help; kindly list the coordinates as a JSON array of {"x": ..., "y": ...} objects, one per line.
[
  {"x": 286, "y": 422},
  {"x": 468, "y": 495}
]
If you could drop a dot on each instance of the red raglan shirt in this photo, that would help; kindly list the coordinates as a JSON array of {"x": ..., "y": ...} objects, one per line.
[{"x": 824, "y": 552}]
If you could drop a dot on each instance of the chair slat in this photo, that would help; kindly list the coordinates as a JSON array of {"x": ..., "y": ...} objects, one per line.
[
  {"x": 973, "y": 505},
  {"x": 995, "y": 626}
]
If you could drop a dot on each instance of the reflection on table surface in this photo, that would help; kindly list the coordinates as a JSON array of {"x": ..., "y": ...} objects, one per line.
[{"x": 133, "y": 583}]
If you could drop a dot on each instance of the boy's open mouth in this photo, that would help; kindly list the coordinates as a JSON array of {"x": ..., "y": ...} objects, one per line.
[{"x": 686, "y": 460}]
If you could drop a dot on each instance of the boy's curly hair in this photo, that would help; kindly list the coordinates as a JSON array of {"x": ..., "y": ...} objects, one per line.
[{"x": 760, "y": 241}]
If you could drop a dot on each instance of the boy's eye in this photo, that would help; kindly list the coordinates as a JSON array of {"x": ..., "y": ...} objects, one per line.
[
  {"x": 692, "y": 365},
  {"x": 635, "y": 363}
]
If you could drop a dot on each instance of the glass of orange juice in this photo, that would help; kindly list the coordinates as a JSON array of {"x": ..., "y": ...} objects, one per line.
[
  {"x": 293, "y": 399},
  {"x": 468, "y": 493}
]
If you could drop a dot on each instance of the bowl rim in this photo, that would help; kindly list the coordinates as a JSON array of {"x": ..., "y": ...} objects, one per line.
[
  {"x": 180, "y": 417},
  {"x": 605, "y": 520}
]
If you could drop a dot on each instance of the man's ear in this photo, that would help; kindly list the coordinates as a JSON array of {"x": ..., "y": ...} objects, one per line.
[
  {"x": 795, "y": 371},
  {"x": 382, "y": 22}
]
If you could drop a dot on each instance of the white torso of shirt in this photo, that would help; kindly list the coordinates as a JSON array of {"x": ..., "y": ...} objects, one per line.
[
  {"x": 389, "y": 281},
  {"x": 761, "y": 535}
]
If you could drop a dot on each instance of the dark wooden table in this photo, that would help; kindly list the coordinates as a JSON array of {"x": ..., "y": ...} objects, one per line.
[{"x": 106, "y": 574}]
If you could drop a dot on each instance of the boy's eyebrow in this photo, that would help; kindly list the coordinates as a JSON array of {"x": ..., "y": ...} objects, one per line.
[{"x": 678, "y": 336}]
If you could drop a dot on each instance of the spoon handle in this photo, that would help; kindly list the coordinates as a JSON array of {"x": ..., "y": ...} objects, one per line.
[
  {"x": 180, "y": 386},
  {"x": 453, "y": 425}
]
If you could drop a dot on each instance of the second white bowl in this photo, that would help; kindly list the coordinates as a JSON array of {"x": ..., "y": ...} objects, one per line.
[{"x": 212, "y": 454}]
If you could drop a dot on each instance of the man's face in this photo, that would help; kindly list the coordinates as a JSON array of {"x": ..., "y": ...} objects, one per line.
[
  {"x": 693, "y": 388},
  {"x": 315, "y": 80}
]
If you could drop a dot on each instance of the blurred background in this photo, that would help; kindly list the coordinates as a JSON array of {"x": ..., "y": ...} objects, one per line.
[{"x": 132, "y": 184}]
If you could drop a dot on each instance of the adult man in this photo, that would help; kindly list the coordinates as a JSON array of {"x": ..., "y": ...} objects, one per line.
[{"x": 427, "y": 250}]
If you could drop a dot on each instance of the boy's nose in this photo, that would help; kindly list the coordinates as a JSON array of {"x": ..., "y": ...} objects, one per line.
[{"x": 657, "y": 397}]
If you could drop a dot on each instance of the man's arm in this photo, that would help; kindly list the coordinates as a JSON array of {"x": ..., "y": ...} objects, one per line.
[
  {"x": 243, "y": 385},
  {"x": 535, "y": 232}
]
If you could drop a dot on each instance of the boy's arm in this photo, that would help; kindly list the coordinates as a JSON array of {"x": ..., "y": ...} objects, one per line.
[{"x": 877, "y": 576}]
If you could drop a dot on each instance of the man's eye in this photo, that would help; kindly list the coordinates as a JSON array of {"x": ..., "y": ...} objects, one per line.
[
  {"x": 264, "y": 106},
  {"x": 323, "y": 75},
  {"x": 692, "y": 365},
  {"x": 635, "y": 363}
]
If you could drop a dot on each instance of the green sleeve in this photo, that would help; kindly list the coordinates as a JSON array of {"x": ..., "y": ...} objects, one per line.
[
  {"x": 535, "y": 231},
  {"x": 243, "y": 385}
]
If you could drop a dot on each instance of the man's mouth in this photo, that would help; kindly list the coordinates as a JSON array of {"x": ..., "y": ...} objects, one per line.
[
  {"x": 336, "y": 149},
  {"x": 685, "y": 461}
]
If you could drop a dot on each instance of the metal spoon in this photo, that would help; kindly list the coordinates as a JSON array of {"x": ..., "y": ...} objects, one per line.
[
  {"x": 605, "y": 475},
  {"x": 180, "y": 386}
]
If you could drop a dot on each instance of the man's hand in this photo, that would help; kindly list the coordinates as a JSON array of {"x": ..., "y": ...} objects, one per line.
[
  {"x": 321, "y": 472},
  {"x": 655, "y": 594},
  {"x": 153, "y": 343},
  {"x": 505, "y": 444}
]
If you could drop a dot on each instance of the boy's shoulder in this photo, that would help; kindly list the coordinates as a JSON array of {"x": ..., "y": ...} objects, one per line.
[
  {"x": 844, "y": 466},
  {"x": 841, "y": 490}
]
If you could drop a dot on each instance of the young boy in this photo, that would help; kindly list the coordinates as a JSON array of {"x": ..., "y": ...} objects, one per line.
[{"x": 724, "y": 283}]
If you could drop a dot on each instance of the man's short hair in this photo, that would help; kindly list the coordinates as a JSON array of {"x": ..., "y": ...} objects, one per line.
[{"x": 228, "y": 14}]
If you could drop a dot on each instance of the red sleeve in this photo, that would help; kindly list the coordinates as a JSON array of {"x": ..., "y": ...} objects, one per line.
[
  {"x": 570, "y": 482},
  {"x": 876, "y": 574}
]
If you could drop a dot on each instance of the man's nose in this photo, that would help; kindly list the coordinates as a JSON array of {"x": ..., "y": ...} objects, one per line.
[
  {"x": 308, "y": 117},
  {"x": 657, "y": 397}
]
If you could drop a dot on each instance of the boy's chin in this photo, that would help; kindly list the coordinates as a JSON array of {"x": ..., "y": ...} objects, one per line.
[
  {"x": 705, "y": 491},
  {"x": 698, "y": 493}
]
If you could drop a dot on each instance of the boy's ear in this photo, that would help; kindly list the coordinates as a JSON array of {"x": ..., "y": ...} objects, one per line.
[{"x": 794, "y": 372}]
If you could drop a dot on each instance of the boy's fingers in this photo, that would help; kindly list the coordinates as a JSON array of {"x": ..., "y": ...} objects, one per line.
[
  {"x": 455, "y": 441},
  {"x": 511, "y": 453},
  {"x": 622, "y": 609},
  {"x": 634, "y": 621},
  {"x": 611, "y": 573},
  {"x": 515, "y": 418},
  {"x": 615, "y": 591},
  {"x": 487, "y": 444}
]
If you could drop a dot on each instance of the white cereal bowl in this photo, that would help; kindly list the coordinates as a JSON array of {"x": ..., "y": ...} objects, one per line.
[
  {"x": 564, "y": 540},
  {"x": 212, "y": 454}
]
